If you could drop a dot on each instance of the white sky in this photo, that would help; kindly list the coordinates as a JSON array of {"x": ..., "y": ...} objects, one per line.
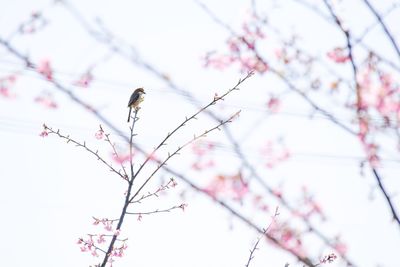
[{"x": 50, "y": 190}]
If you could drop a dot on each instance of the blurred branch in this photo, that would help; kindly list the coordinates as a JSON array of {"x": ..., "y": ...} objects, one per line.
[
  {"x": 373, "y": 25},
  {"x": 384, "y": 27},
  {"x": 276, "y": 72},
  {"x": 117, "y": 45},
  {"x": 387, "y": 197},
  {"x": 175, "y": 173},
  {"x": 187, "y": 119},
  {"x": 170, "y": 155},
  {"x": 317, "y": 11},
  {"x": 346, "y": 32},
  {"x": 108, "y": 140},
  {"x": 359, "y": 105}
]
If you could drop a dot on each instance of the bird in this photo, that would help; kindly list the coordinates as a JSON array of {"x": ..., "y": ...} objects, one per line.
[{"x": 135, "y": 100}]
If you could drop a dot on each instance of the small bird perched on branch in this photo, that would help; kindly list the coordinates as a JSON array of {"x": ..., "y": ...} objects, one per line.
[{"x": 135, "y": 100}]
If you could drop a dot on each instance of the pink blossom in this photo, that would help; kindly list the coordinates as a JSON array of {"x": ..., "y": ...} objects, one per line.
[
  {"x": 230, "y": 185},
  {"x": 173, "y": 182},
  {"x": 99, "y": 134},
  {"x": 5, "y": 84},
  {"x": 274, "y": 104},
  {"x": 108, "y": 227},
  {"x": 199, "y": 165},
  {"x": 47, "y": 101},
  {"x": 44, "y": 68},
  {"x": 5, "y": 91},
  {"x": 272, "y": 155},
  {"x": 233, "y": 45},
  {"x": 101, "y": 239},
  {"x": 251, "y": 63},
  {"x": 219, "y": 62},
  {"x": 84, "y": 80},
  {"x": 339, "y": 55},
  {"x": 44, "y": 133},
  {"x": 277, "y": 193},
  {"x": 120, "y": 158},
  {"x": 200, "y": 148},
  {"x": 340, "y": 247}
]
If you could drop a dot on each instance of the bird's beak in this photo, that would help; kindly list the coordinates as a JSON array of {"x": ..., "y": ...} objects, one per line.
[{"x": 144, "y": 92}]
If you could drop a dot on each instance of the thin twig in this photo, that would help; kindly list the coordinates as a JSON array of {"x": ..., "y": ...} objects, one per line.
[
  {"x": 109, "y": 39},
  {"x": 83, "y": 145},
  {"x": 93, "y": 245},
  {"x": 241, "y": 155},
  {"x": 171, "y": 182},
  {"x": 135, "y": 118},
  {"x": 127, "y": 197},
  {"x": 57, "y": 85},
  {"x": 264, "y": 232},
  {"x": 181, "y": 206},
  {"x": 350, "y": 53},
  {"x": 359, "y": 107},
  {"x": 187, "y": 119},
  {"x": 356, "y": 41},
  {"x": 108, "y": 140},
  {"x": 170, "y": 155}
]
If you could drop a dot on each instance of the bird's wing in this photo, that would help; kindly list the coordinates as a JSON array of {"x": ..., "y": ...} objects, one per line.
[{"x": 133, "y": 99}]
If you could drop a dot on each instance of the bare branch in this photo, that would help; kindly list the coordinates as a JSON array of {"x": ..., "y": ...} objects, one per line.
[
  {"x": 187, "y": 119},
  {"x": 83, "y": 145},
  {"x": 264, "y": 232},
  {"x": 360, "y": 112},
  {"x": 384, "y": 27},
  {"x": 108, "y": 140},
  {"x": 387, "y": 197},
  {"x": 181, "y": 147},
  {"x": 181, "y": 206}
]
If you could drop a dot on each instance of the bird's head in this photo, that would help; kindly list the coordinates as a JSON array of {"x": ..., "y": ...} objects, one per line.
[{"x": 140, "y": 91}]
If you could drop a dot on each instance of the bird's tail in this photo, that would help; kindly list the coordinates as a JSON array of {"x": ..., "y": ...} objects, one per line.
[{"x": 129, "y": 116}]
